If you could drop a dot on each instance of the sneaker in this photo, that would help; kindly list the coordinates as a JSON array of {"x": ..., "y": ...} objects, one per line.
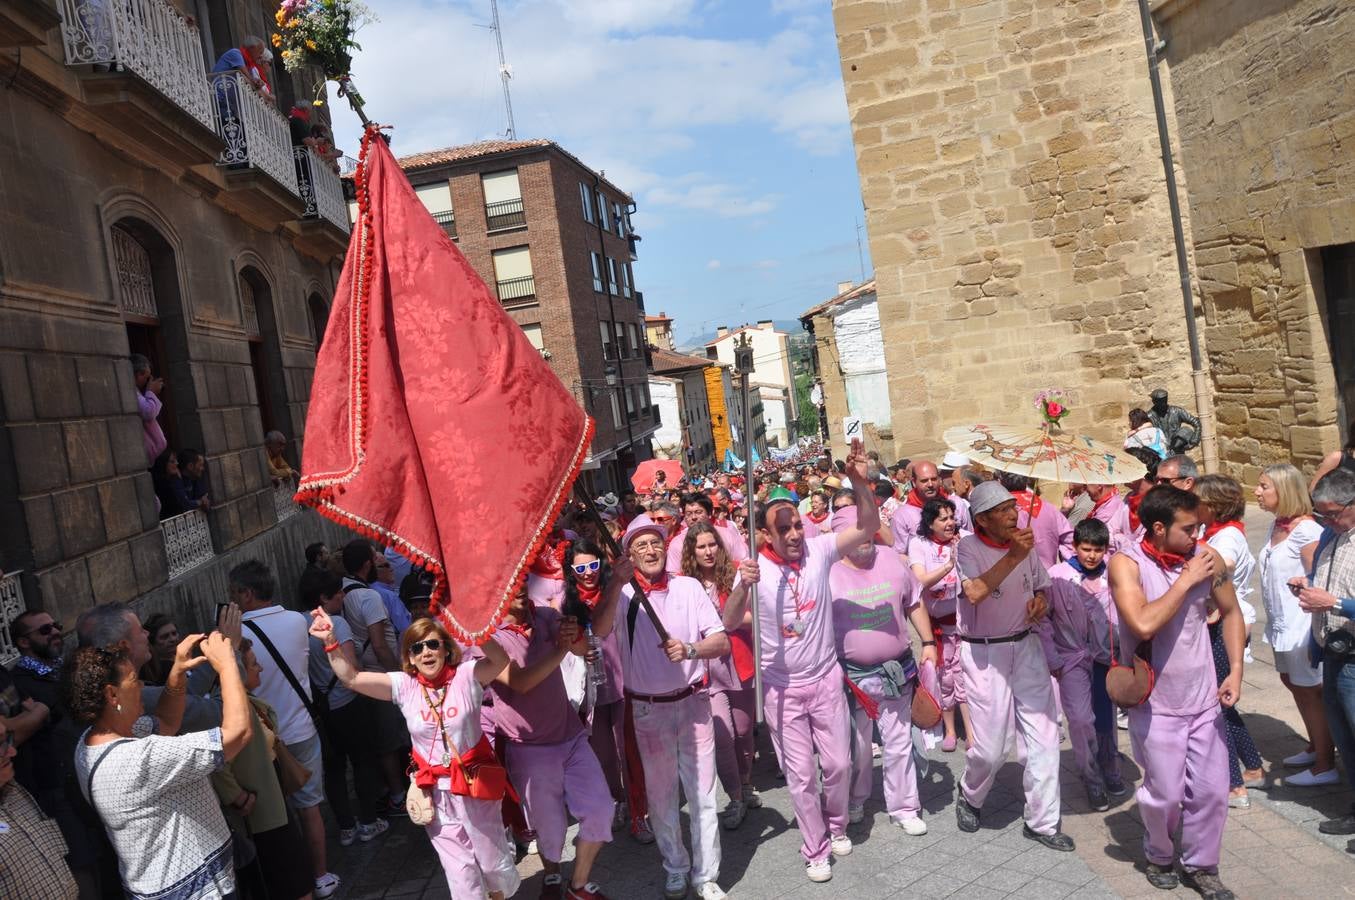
[
  {"x": 709, "y": 890},
  {"x": 589, "y": 891},
  {"x": 367, "y": 832},
  {"x": 675, "y": 888},
  {"x": 1116, "y": 787},
  {"x": 912, "y": 826},
  {"x": 1301, "y": 760},
  {"x": 396, "y": 808},
  {"x": 876, "y": 751},
  {"x": 1164, "y": 878},
  {"x": 639, "y": 829},
  {"x": 966, "y": 816},
  {"x": 1208, "y": 884},
  {"x": 326, "y": 885},
  {"x": 842, "y": 845},
  {"x": 949, "y": 743},
  {"x": 553, "y": 887},
  {"x": 1122, "y": 720},
  {"x": 732, "y": 816},
  {"x": 819, "y": 872},
  {"x": 1343, "y": 825},
  {"x": 347, "y": 836},
  {"x": 751, "y": 798},
  {"x": 1096, "y": 796},
  {"x": 1309, "y": 778},
  {"x": 856, "y": 813},
  {"x": 1056, "y": 841},
  {"x": 1239, "y": 801}
]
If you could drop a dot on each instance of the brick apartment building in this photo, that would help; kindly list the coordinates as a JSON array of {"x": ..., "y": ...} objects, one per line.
[
  {"x": 555, "y": 239},
  {"x": 147, "y": 208}
]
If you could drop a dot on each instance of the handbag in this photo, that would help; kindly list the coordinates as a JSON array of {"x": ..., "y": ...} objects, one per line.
[
  {"x": 1129, "y": 686},
  {"x": 292, "y": 776},
  {"x": 478, "y": 774},
  {"x": 926, "y": 712},
  {"x": 418, "y": 804}
]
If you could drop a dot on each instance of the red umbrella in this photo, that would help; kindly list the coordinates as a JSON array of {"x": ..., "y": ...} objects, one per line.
[
  {"x": 434, "y": 425},
  {"x": 648, "y": 471}
]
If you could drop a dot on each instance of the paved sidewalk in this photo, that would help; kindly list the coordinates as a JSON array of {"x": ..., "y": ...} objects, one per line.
[{"x": 1272, "y": 850}]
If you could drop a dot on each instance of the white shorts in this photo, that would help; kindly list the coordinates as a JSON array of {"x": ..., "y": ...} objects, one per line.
[{"x": 1294, "y": 663}]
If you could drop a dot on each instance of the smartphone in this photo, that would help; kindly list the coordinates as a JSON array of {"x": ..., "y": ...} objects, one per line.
[{"x": 220, "y": 608}]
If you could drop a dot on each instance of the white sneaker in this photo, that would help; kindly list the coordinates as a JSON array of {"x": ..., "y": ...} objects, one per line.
[
  {"x": 347, "y": 836},
  {"x": 368, "y": 832},
  {"x": 876, "y": 751},
  {"x": 914, "y": 826},
  {"x": 751, "y": 798},
  {"x": 733, "y": 814},
  {"x": 1122, "y": 720},
  {"x": 856, "y": 814},
  {"x": 675, "y": 888},
  {"x": 842, "y": 845},
  {"x": 819, "y": 872},
  {"x": 1304, "y": 759},
  {"x": 1309, "y": 778},
  {"x": 709, "y": 890},
  {"x": 326, "y": 885}
]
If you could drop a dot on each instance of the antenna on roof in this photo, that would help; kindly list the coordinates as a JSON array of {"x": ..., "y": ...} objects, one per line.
[
  {"x": 860, "y": 256},
  {"x": 505, "y": 71}
]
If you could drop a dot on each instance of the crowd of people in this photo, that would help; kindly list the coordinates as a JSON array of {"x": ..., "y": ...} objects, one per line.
[{"x": 135, "y": 759}]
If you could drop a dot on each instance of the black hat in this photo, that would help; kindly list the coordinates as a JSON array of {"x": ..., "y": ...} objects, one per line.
[{"x": 1159, "y": 394}]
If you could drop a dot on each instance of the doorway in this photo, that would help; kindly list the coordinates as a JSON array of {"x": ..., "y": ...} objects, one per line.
[{"x": 1338, "y": 274}]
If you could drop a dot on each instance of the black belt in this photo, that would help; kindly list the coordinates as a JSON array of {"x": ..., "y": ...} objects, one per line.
[
  {"x": 665, "y": 698},
  {"x": 1002, "y": 640}
]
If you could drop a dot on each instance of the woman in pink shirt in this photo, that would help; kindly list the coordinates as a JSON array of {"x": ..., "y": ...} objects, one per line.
[
  {"x": 730, "y": 678},
  {"x": 932, "y": 555}
]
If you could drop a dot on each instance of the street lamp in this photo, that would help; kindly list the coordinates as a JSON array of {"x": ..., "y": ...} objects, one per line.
[{"x": 743, "y": 366}]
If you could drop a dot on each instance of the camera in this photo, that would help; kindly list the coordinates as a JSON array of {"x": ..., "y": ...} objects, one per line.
[{"x": 1340, "y": 642}]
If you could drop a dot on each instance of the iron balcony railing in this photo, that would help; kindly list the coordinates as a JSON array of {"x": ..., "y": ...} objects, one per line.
[
  {"x": 283, "y": 504},
  {"x": 505, "y": 214},
  {"x": 447, "y": 220},
  {"x": 515, "y": 289},
  {"x": 145, "y": 37},
  {"x": 188, "y": 541},
  {"x": 320, "y": 188},
  {"x": 255, "y": 132},
  {"x": 11, "y": 607}
]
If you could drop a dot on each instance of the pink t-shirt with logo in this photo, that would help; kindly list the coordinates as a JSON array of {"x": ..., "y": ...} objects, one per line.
[
  {"x": 870, "y": 609},
  {"x": 1003, "y": 612},
  {"x": 458, "y": 702},
  {"x": 795, "y": 616},
  {"x": 685, "y": 609},
  {"x": 941, "y": 597},
  {"x": 543, "y": 714}
]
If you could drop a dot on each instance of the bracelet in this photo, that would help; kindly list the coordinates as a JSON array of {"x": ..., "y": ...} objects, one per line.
[
  {"x": 176, "y": 691},
  {"x": 330, "y": 648},
  {"x": 929, "y": 643}
]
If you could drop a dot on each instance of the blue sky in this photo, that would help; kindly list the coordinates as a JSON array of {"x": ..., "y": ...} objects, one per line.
[{"x": 725, "y": 119}]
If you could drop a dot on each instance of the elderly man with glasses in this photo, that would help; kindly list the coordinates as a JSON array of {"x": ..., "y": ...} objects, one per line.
[
  {"x": 1179, "y": 471},
  {"x": 1328, "y": 592}
]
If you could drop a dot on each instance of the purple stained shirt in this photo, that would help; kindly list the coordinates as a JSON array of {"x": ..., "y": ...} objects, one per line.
[
  {"x": 786, "y": 597},
  {"x": 1076, "y": 627},
  {"x": 1052, "y": 532},
  {"x": 1003, "y": 612},
  {"x": 686, "y": 612},
  {"x": 870, "y": 608},
  {"x": 941, "y": 598},
  {"x": 543, "y": 714}
]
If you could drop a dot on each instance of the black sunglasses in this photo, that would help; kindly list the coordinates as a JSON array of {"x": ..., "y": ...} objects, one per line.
[
  {"x": 433, "y": 644},
  {"x": 43, "y": 630}
]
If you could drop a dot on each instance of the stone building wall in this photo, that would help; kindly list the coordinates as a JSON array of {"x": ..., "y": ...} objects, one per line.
[
  {"x": 1017, "y": 210},
  {"x": 1265, "y": 106}
]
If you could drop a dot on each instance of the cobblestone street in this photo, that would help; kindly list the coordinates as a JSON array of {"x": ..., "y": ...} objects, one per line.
[{"x": 1272, "y": 850}]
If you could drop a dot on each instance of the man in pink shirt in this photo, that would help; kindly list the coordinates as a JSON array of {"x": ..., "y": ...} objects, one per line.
[
  {"x": 1109, "y": 507},
  {"x": 1053, "y": 534},
  {"x": 696, "y": 507},
  {"x": 803, "y": 698},
  {"x": 926, "y": 486},
  {"x": 874, "y": 596},
  {"x": 1004, "y": 665},
  {"x": 664, "y": 683},
  {"x": 549, "y": 758}
]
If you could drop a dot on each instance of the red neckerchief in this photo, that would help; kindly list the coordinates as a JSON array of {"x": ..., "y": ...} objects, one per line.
[
  {"x": 940, "y": 543},
  {"x": 1097, "y": 504},
  {"x": 915, "y": 499},
  {"x": 252, "y": 63},
  {"x": 1215, "y": 527},
  {"x": 992, "y": 543},
  {"x": 588, "y": 595},
  {"x": 822, "y": 517},
  {"x": 1028, "y": 503},
  {"x": 1287, "y": 523},
  {"x": 1133, "y": 501},
  {"x": 767, "y": 551},
  {"x": 660, "y": 584},
  {"x": 1167, "y": 561},
  {"x": 550, "y": 562},
  {"x": 438, "y": 681}
]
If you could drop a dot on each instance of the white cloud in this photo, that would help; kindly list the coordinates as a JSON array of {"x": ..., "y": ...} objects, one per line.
[
  {"x": 699, "y": 193},
  {"x": 781, "y": 7},
  {"x": 628, "y": 15},
  {"x": 713, "y": 264}
]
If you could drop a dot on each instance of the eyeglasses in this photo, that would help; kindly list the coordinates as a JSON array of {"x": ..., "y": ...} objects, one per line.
[
  {"x": 434, "y": 644},
  {"x": 585, "y": 568},
  {"x": 1160, "y": 480},
  {"x": 1327, "y": 518},
  {"x": 42, "y": 630}
]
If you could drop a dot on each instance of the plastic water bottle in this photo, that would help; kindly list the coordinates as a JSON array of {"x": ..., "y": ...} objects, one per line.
[{"x": 596, "y": 675}]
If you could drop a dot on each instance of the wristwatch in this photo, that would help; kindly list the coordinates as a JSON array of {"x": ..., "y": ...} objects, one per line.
[{"x": 691, "y": 651}]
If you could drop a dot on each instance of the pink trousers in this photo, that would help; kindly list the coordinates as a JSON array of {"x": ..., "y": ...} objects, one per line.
[
  {"x": 470, "y": 842},
  {"x": 804, "y": 719},
  {"x": 896, "y": 733},
  {"x": 952, "y": 671},
  {"x": 1009, "y": 684},
  {"x": 677, "y": 743},
  {"x": 1185, "y": 784},
  {"x": 1075, "y": 694},
  {"x": 733, "y": 713},
  {"x": 553, "y": 778}
]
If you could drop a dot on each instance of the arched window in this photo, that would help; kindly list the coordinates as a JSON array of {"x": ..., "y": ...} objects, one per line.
[
  {"x": 265, "y": 353},
  {"x": 319, "y": 314}
]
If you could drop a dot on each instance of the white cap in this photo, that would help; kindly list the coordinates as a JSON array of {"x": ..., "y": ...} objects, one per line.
[{"x": 952, "y": 461}]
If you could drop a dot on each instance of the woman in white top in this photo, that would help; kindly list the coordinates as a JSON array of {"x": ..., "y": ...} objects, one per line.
[
  {"x": 1288, "y": 553},
  {"x": 1143, "y": 433}
]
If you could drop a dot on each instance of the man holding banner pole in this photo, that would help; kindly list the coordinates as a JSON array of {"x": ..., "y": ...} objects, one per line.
[{"x": 803, "y": 698}]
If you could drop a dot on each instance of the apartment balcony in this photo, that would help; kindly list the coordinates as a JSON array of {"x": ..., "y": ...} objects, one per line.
[
  {"x": 143, "y": 78},
  {"x": 188, "y": 542},
  {"x": 517, "y": 291},
  {"x": 504, "y": 215},
  {"x": 640, "y": 300},
  {"x": 324, "y": 223},
  {"x": 283, "y": 505},
  {"x": 24, "y": 23},
  {"x": 260, "y": 170},
  {"x": 448, "y": 222},
  {"x": 11, "y": 607},
  {"x": 631, "y": 240}
]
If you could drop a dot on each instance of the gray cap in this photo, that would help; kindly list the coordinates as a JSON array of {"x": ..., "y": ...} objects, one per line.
[
  {"x": 1159, "y": 394},
  {"x": 986, "y": 496}
]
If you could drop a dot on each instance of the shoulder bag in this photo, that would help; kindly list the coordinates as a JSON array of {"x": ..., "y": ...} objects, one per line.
[{"x": 1129, "y": 686}]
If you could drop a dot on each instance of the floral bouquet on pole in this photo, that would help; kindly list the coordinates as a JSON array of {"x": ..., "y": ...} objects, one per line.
[
  {"x": 320, "y": 33},
  {"x": 1053, "y": 406}
]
